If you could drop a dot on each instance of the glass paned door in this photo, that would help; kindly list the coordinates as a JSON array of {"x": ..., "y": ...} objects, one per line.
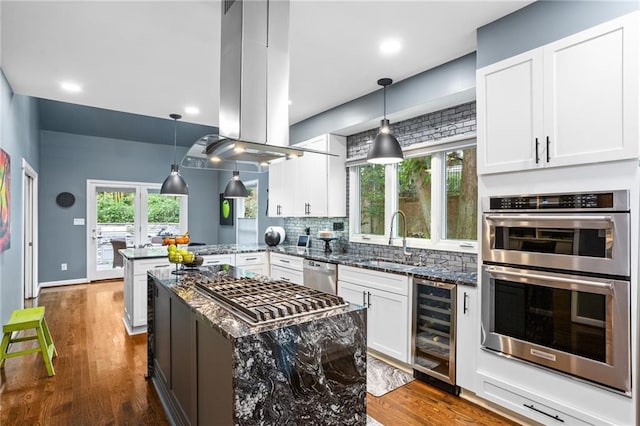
[{"x": 127, "y": 215}]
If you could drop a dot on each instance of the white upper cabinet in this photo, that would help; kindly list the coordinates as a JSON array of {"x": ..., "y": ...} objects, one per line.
[
  {"x": 574, "y": 101},
  {"x": 312, "y": 185}
]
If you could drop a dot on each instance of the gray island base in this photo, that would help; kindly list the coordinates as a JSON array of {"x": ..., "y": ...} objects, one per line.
[{"x": 212, "y": 368}]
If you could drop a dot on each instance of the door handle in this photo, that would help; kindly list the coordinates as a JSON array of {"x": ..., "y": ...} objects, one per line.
[
  {"x": 537, "y": 156},
  {"x": 548, "y": 142}
]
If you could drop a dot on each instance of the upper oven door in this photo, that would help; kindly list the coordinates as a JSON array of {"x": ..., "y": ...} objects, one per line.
[{"x": 588, "y": 242}]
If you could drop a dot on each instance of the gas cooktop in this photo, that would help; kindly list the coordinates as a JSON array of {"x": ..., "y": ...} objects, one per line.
[{"x": 260, "y": 302}]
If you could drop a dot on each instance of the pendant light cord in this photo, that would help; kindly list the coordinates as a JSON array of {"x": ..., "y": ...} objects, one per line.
[
  {"x": 384, "y": 94},
  {"x": 175, "y": 136},
  {"x": 175, "y": 117}
]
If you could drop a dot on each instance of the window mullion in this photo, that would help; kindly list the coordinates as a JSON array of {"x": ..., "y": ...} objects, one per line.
[
  {"x": 390, "y": 196},
  {"x": 437, "y": 195}
]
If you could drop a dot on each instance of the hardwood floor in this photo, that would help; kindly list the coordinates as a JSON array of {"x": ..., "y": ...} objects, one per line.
[
  {"x": 99, "y": 369},
  {"x": 100, "y": 374}
]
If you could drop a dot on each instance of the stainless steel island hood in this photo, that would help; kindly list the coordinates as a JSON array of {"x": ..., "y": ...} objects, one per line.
[{"x": 254, "y": 90}]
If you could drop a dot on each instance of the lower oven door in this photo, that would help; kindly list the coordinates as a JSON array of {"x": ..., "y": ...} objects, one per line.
[{"x": 574, "y": 324}]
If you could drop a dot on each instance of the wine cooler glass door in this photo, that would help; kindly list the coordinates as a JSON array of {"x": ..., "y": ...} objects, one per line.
[{"x": 434, "y": 329}]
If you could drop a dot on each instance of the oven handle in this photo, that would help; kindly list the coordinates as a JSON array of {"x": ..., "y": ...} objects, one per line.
[
  {"x": 549, "y": 217},
  {"x": 606, "y": 286}
]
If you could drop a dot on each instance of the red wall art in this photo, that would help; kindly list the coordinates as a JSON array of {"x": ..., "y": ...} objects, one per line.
[{"x": 5, "y": 198}]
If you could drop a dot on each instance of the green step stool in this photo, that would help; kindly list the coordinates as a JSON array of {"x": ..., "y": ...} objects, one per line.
[{"x": 25, "y": 319}]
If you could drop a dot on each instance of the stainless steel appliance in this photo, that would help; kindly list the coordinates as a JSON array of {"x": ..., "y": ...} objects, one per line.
[
  {"x": 434, "y": 334},
  {"x": 259, "y": 302},
  {"x": 555, "y": 286},
  {"x": 321, "y": 276},
  {"x": 572, "y": 232}
]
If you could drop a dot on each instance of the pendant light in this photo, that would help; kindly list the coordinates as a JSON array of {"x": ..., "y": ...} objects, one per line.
[
  {"x": 235, "y": 188},
  {"x": 174, "y": 184},
  {"x": 385, "y": 148}
]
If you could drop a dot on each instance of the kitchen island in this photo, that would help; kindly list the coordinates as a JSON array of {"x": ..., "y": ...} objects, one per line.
[
  {"x": 137, "y": 261},
  {"x": 210, "y": 366}
]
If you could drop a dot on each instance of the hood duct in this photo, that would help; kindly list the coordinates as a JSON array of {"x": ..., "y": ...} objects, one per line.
[{"x": 254, "y": 90}]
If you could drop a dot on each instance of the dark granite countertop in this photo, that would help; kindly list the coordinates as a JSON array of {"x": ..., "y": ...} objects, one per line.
[
  {"x": 161, "y": 251},
  {"x": 227, "y": 323},
  {"x": 430, "y": 272}
]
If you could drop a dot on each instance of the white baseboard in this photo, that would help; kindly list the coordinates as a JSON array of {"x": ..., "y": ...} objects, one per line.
[{"x": 63, "y": 282}]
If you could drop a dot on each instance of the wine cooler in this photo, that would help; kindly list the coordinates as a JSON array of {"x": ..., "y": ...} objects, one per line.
[{"x": 434, "y": 334}]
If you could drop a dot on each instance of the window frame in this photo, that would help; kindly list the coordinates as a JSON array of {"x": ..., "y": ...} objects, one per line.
[{"x": 436, "y": 241}]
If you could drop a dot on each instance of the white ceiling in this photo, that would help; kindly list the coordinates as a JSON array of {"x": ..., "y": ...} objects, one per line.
[{"x": 156, "y": 57}]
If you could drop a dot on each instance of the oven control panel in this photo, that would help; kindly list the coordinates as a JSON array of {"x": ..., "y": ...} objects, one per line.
[{"x": 613, "y": 200}]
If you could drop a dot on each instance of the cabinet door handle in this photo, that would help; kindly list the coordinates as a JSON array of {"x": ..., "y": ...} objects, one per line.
[
  {"x": 368, "y": 299},
  {"x": 364, "y": 298},
  {"x": 548, "y": 142},
  {"x": 556, "y": 417},
  {"x": 537, "y": 156},
  {"x": 465, "y": 308}
]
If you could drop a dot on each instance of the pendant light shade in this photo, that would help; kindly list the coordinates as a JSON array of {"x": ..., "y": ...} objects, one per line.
[
  {"x": 174, "y": 184},
  {"x": 385, "y": 148},
  {"x": 235, "y": 188}
]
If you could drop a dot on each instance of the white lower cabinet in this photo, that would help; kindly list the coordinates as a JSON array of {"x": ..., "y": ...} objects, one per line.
[
  {"x": 255, "y": 262},
  {"x": 135, "y": 292},
  {"x": 535, "y": 407},
  {"x": 467, "y": 336},
  {"x": 388, "y": 315},
  {"x": 287, "y": 268},
  {"x": 219, "y": 259}
]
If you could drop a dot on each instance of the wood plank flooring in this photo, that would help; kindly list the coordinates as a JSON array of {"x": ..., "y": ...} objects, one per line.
[{"x": 100, "y": 374}]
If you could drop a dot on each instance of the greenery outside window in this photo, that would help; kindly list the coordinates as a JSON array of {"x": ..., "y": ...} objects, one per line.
[
  {"x": 371, "y": 178},
  {"x": 435, "y": 186}
]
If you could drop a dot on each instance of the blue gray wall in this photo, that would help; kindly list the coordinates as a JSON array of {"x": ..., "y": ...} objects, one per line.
[
  {"x": 543, "y": 22},
  {"x": 19, "y": 137},
  {"x": 68, "y": 160}
]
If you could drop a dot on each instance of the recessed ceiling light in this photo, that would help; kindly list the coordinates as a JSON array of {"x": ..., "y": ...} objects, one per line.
[
  {"x": 390, "y": 46},
  {"x": 191, "y": 110},
  {"x": 71, "y": 87}
]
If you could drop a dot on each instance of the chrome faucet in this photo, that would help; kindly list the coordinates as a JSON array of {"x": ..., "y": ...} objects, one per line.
[{"x": 404, "y": 227}]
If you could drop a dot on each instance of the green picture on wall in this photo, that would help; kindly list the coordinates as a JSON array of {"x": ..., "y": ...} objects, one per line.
[{"x": 226, "y": 211}]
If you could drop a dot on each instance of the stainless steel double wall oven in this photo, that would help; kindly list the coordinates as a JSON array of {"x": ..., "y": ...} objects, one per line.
[{"x": 556, "y": 283}]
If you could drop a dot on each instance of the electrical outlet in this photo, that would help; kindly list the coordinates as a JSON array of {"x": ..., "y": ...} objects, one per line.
[{"x": 63, "y": 266}]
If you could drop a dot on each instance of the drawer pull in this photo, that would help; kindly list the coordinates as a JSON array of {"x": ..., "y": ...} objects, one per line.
[
  {"x": 251, "y": 258},
  {"x": 285, "y": 279},
  {"x": 284, "y": 261},
  {"x": 556, "y": 417}
]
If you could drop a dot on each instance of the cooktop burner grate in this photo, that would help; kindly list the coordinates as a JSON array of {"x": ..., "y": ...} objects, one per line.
[{"x": 259, "y": 302}]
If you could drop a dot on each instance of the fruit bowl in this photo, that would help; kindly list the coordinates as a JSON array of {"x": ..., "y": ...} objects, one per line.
[{"x": 197, "y": 261}]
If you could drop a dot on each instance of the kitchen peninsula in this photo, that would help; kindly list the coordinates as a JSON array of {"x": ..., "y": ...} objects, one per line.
[{"x": 210, "y": 366}]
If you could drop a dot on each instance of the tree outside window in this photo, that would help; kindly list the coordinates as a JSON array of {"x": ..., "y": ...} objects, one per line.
[
  {"x": 461, "y": 220},
  {"x": 414, "y": 196},
  {"x": 372, "y": 187}
]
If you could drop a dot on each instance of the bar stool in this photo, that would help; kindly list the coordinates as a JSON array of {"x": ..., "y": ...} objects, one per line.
[{"x": 25, "y": 319}]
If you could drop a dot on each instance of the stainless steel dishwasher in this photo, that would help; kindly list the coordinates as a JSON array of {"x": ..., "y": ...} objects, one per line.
[{"x": 320, "y": 275}]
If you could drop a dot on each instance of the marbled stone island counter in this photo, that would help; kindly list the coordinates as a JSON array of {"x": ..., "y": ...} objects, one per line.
[{"x": 212, "y": 368}]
